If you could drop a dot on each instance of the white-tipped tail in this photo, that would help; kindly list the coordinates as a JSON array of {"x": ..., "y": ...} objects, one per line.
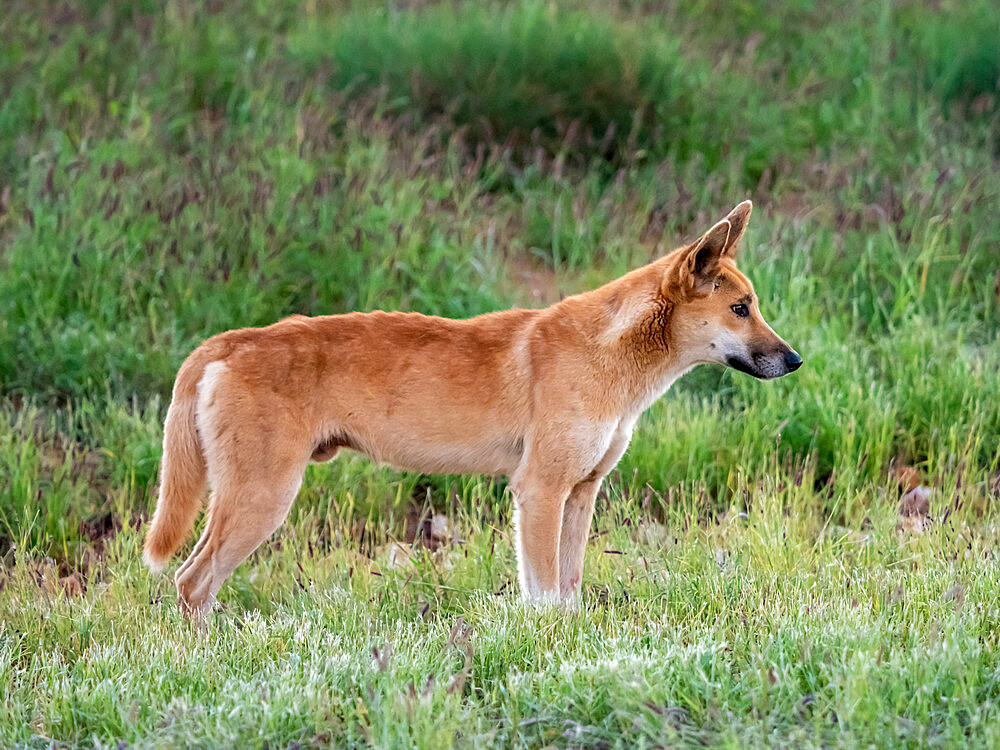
[{"x": 182, "y": 470}]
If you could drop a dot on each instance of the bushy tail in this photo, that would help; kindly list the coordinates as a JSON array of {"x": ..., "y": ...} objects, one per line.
[{"x": 182, "y": 470}]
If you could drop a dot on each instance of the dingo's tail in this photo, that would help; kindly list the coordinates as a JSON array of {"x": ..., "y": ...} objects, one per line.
[{"x": 182, "y": 470}]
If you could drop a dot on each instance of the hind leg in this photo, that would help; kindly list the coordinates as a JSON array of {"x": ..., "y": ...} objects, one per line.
[
  {"x": 255, "y": 451},
  {"x": 194, "y": 554},
  {"x": 240, "y": 519}
]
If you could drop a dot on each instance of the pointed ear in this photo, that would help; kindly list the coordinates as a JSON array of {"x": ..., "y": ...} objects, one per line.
[
  {"x": 738, "y": 219},
  {"x": 701, "y": 260},
  {"x": 703, "y": 257}
]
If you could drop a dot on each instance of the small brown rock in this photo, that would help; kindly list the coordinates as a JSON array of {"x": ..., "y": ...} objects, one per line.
[
  {"x": 907, "y": 477},
  {"x": 399, "y": 556},
  {"x": 439, "y": 528},
  {"x": 72, "y": 584},
  {"x": 916, "y": 502}
]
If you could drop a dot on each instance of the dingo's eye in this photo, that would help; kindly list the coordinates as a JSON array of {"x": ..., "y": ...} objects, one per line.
[{"x": 741, "y": 311}]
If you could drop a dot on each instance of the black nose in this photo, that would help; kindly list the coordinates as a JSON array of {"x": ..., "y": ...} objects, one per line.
[{"x": 792, "y": 361}]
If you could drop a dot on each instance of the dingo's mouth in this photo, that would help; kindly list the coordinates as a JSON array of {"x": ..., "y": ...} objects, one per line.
[{"x": 767, "y": 366}]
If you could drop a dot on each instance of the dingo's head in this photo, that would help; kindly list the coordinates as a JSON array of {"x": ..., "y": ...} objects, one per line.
[{"x": 715, "y": 316}]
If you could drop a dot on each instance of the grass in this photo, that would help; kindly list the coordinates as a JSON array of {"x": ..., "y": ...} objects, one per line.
[{"x": 758, "y": 574}]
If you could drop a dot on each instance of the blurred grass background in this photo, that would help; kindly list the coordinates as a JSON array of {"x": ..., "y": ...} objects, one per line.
[{"x": 169, "y": 171}]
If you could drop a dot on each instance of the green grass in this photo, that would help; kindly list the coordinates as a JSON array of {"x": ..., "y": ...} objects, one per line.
[{"x": 168, "y": 174}]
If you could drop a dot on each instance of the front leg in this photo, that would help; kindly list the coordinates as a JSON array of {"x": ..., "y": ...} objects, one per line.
[
  {"x": 577, "y": 514},
  {"x": 538, "y": 510},
  {"x": 563, "y": 453}
]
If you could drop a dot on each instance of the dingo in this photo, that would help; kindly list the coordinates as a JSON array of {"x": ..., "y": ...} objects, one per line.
[{"x": 548, "y": 397}]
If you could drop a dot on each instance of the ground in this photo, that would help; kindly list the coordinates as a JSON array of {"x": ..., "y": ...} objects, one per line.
[{"x": 806, "y": 562}]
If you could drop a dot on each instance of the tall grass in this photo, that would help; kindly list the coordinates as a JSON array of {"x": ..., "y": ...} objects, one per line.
[
  {"x": 753, "y": 577},
  {"x": 960, "y": 55}
]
